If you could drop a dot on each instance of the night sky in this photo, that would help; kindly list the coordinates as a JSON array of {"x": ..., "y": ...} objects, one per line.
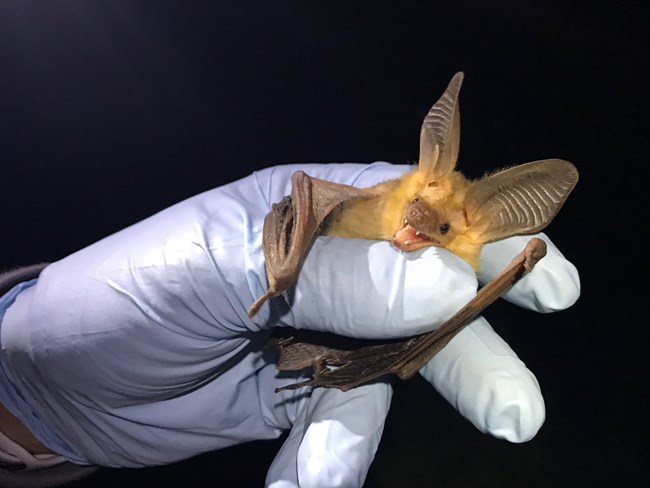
[{"x": 113, "y": 110}]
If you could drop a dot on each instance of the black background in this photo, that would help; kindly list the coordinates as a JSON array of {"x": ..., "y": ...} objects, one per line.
[{"x": 110, "y": 111}]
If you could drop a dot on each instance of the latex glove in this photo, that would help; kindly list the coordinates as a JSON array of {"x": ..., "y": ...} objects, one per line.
[{"x": 143, "y": 338}]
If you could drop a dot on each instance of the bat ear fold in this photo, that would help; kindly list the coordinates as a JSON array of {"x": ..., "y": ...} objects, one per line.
[
  {"x": 440, "y": 133},
  {"x": 520, "y": 200}
]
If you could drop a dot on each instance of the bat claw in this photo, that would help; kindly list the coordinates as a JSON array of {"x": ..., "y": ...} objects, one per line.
[
  {"x": 294, "y": 386},
  {"x": 534, "y": 251},
  {"x": 255, "y": 307}
]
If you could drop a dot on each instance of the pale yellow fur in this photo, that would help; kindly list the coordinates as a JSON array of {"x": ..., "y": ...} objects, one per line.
[{"x": 381, "y": 216}]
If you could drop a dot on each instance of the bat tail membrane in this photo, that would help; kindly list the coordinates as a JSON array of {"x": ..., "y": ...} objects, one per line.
[
  {"x": 519, "y": 200},
  {"x": 440, "y": 133}
]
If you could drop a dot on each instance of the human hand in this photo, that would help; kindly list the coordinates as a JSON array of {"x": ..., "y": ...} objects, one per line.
[{"x": 150, "y": 325}]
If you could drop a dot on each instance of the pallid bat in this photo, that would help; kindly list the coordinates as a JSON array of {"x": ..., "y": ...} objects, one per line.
[{"x": 432, "y": 205}]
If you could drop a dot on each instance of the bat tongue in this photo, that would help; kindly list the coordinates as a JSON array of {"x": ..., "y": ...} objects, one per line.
[{"x": 408, "y": 238}]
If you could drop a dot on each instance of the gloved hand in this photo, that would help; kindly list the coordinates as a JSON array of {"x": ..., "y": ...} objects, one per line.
[{"x": 143, "y": 338}]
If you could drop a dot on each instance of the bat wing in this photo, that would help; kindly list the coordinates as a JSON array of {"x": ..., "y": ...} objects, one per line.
[
  {"x": 519, "y": 200},
  {"x": 291, "y": 225},
  {"x": 404, "y": 357}
]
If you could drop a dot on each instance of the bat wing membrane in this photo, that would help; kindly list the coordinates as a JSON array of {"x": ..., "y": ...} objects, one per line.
[{"x": 291, "y": 225}]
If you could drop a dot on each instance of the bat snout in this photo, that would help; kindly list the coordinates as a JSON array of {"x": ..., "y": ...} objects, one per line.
[
  {"x": 422, "y": 217},
  {"x": 420, "y": 221}
]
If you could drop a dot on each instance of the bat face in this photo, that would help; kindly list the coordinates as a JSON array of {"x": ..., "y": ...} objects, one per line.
[{"x": 432, "y": 213}]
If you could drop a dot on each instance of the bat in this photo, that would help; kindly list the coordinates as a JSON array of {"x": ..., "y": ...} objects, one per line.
[{"x": 432, "y": 205}]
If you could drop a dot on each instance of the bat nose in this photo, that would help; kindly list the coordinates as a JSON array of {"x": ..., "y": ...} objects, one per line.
[{"x": 422, "y": 217}]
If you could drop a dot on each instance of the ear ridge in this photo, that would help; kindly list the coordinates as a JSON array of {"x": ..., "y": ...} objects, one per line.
[
  {"x": 519, "y": 200},
  {"x": 441, "y": 128}
]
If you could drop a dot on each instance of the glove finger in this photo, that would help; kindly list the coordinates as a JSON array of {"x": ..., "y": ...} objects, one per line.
[
  {"x": 368, "y": 289},
  {"x": 333, "y": 439},
  {"x": 482, "y": 377}
]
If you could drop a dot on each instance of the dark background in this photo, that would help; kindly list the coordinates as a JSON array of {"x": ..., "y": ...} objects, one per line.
[{"x": 110, "y": 111}]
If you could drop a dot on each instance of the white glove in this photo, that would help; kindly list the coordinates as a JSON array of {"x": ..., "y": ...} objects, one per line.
[{"x": 143, "y": 338}]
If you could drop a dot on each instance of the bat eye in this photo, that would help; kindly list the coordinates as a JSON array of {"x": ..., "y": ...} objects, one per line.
[
  {"x": 415, "y": 200},
  {"x": 444, "y": 228}
]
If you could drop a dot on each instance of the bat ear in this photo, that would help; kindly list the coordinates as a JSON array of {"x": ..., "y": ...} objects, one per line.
[
  {"x": 520, "y": 200},
  {"x": 440, "y": 133}
]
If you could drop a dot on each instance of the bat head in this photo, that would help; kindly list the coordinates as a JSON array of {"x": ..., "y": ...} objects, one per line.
[{"x": 440, "y": 207}]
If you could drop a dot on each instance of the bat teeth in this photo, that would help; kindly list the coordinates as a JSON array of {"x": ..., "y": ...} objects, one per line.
[
  {"x": 406, "y": 222},
  {"x": 418, "y": 233}
]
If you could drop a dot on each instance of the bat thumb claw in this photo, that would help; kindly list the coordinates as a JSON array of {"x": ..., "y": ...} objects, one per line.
[
  {"x": 255, "y": 307},
  {"x": 534, "y": 251}
]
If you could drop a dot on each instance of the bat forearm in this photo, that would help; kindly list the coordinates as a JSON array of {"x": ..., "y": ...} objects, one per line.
[{"x": 402, "y": 358}]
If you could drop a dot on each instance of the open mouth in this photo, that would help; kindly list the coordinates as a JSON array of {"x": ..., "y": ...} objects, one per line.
[{"x": 408, "y": 238}]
